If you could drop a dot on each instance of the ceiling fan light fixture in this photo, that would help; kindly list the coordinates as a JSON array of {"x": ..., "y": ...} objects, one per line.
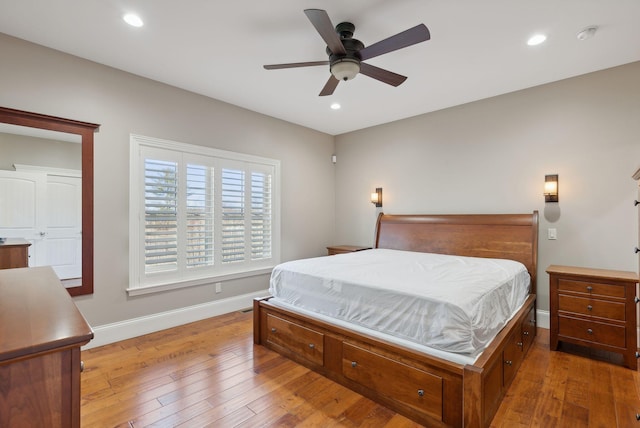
[
  {"x": 346, "y": 54},
  {"x": 345, "y": 69}
]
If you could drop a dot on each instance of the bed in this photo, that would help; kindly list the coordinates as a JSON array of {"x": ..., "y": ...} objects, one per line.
[{"x": 428, "y": 387}]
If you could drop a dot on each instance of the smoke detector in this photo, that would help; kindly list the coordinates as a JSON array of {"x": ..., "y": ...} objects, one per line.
[{"x": 587, "y": 33}]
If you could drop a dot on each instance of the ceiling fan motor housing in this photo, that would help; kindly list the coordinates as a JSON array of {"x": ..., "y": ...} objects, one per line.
[{"x": 346, "y": 67}]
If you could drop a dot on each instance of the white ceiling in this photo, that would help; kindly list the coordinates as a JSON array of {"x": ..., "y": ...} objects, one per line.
[{"x": 477, "y": 49}]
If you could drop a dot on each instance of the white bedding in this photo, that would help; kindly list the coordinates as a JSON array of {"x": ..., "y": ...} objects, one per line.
[{"x": 450, "y": 303}]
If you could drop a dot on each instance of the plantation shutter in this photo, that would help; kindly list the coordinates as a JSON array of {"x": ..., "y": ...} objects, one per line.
[
  {"x": 233, "y": 215},
  {"x": 261, "y": 215},
  {"x": 160, "y": 215},
  {"x": 200, "y": 221},
  {"x": 199, "y": 214}
]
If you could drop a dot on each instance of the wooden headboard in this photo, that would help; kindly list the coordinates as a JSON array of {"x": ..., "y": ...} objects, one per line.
[{"x": 500, "y": 236}]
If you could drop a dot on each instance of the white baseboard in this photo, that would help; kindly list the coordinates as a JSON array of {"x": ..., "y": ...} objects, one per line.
[
  {"x": 543, "y": 318},
  {"x": 109, "y": 333},
  {"x": 122, "y": 330}
]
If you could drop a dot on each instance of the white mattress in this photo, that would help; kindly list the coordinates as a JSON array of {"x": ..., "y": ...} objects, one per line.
[{"x": 450, "y": 303}]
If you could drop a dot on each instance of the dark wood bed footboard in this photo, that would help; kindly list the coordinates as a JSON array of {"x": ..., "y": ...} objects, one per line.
[{"x": 427, "y": 389}]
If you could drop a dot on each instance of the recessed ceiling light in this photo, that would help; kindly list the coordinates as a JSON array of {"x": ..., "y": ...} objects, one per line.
[
  {"x": 335, "y": 106},
  {"x": 133, "y": 20},
  {"x": 536, "y": 39}
]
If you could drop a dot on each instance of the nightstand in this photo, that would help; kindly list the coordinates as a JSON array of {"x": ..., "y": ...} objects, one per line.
[
  {"x": 340, "y": 249},
  {"x": 595, "y": 308}
]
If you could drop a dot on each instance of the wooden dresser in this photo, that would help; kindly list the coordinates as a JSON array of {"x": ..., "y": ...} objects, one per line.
[
  {"x": 14, "y": 253},
  {"x": 41, "y": 332},
  {"x": 594, "y": 308}
]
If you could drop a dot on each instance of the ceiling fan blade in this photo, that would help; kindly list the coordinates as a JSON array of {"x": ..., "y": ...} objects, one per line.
[
  {"x": 294, "y": 65},
  {"x": 417, "y": 34},
  {"x": 382, "y": 75},
  {"x": 320, "y": 20},
  {"x": 330, "y": 86}
]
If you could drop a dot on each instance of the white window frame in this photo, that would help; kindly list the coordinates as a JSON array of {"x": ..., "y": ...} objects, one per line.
[{"x": 143, "y": 283}]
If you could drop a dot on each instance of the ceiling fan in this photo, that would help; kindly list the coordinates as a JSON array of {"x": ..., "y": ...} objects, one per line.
[{"x": 346, "y": 54}]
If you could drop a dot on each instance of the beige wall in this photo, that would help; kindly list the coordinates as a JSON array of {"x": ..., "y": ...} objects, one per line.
[
  {"x": 491, "y": 156},
  {"x": 41, "y": 80},
  {"x": 20, "y": 149}
]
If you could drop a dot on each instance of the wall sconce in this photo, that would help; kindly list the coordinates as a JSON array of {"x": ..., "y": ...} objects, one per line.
[
  {"x": 376, "y": 198},
  {"x": 551, "y": 188}
]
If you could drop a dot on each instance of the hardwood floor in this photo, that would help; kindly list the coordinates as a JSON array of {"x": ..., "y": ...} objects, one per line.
[{"x": 209, "y": 373}]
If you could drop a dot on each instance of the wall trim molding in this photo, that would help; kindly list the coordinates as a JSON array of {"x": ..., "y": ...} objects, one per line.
[
  {"x": 122, "y": 330},
  {"x": 544, "y": 318}
]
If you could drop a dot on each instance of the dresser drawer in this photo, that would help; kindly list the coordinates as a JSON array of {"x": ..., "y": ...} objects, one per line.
[
  {"x": 409, "y": 385},
  {"x": 597, "y": 332},
  {"x": 306, "y": 343},
  {"x": 592, "y": 307},
  {"x": 592, "y": 288}
]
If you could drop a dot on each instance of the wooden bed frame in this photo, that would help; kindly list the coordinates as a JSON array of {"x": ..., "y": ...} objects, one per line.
[{"x": 427, "y": 389}]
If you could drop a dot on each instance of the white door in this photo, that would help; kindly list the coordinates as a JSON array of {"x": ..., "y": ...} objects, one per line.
[
  {"x": 21, "y": 200},
  {"x": 61, "y": 246},
  {"x": 47, "y": 211}
]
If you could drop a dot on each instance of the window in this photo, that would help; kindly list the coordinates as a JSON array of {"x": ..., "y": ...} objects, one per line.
[{"x": 199, "y": 215}]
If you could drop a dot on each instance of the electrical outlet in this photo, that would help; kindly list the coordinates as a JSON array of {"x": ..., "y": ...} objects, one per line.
[
  {"x": 218, "y": 287},
  {"x": 552, "y": 233}
]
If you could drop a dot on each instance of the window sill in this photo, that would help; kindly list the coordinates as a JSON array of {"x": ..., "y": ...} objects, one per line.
[{"x": 157, "y": 288}]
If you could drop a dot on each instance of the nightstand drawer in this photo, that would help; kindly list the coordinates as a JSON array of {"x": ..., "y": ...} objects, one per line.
[
  {"x": 591, "y": 288},
  {"x": 606, "y": 334},
  {"x": 592, "y": 307}
]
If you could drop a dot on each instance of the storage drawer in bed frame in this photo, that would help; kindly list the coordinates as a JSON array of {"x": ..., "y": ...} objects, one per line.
[
  {"x": 427, "y": 390},
  {"x": 304, "y": 342},
  {"x": 411, "y": 386}
]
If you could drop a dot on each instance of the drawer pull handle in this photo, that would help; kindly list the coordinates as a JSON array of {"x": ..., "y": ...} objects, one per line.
[
  {"x": 589, "y": 288},
  {"x": 636, "y": 299},
  {"x": 509, "y": 362},
  {"x": 421, "y": 392},
  {"x": 637, "y": 416},
  {"x": 637, "y": 354},
  {"x": 589, "y": 307},
  {"x": 526, "y": 333},
  {"x": 636, "y": 250},
  {"x": 81, "y": 366},
  {"x": 519, "y": 344},
  {"x": 312, "y": 346},
  {"x": 353, "y": 364},
  {"x": 589, "y": 331},
  {"x": 273, "y": 329},
  {"x": 532, "y": 322},
  {"x": 635, "y": 204}
]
